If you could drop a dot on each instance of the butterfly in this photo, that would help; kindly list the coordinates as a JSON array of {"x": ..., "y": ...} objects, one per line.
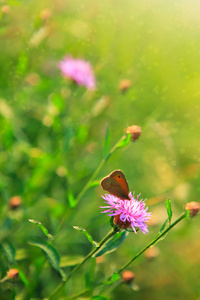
[{"x": 116, "y": 184}]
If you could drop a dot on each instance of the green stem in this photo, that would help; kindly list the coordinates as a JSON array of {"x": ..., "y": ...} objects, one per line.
[
  {"x": 61, "y": 285},
  {"x": 156, "y": 239},
  {"x": 86, "y": 187}
]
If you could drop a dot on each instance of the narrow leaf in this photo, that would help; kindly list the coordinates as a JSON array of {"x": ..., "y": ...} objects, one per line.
[
  {"x": 112, "y": 244},
  {"x": 89, "y": 276},
  {"x": 44, "y": 229},
  {"x": 24, "y": 279},
  {"x": 51, "y": 255},
  {"x": 163, "y": 226},
  {"x": 187, "y": 214},
  {"x": 169, "y": 209},
  {"x": 9, "y": 250},
  {"x": 115, "y": 277},
  {"x": 106, "y": 147},
  {"x": 99, "y": 298},
  {"x": 71, "y": 260},
  {"x": 72, "y": 200},
  {"x": 125, "y": 141},
  {"x": 89, "y": 237}
]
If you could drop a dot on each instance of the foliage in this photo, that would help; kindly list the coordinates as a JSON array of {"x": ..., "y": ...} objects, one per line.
[{"x": 58, "y": 140}]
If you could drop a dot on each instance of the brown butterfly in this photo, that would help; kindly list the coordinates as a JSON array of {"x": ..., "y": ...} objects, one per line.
[{"x": 115, "y": 183}]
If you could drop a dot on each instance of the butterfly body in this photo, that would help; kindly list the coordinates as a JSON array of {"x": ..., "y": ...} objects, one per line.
[{"x": 116, "y": 184}]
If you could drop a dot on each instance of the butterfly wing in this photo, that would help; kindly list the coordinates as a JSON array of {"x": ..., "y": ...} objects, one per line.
[{"x": 115, "y": 183}]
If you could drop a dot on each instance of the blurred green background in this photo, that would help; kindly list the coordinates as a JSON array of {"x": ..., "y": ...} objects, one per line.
[{"x": 52, "y": 134}]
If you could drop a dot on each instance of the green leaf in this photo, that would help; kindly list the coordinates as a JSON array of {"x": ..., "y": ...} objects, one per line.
[
  {"x": 24, "y": 279},
  {"x": 9, "y": 251},
  {"x": 99, "y": 298},
  {"x": 39, "y": 224},
  {"x": 58, "y": 101},
  {"x": 71, "y": 260},
  {"x": 89, "y": 237},
  {"x": 124, "y": 142},
  {"x": 82, "y": 133},
  {"x": 106, "y": 147},
  {"x": 169, "y": 209},
  {"x": 115, "y": 276},
  {"x": 112, "y": 244},
  {"x": 51, "y": 255},
  {"x": 163, "y": 226},
  {"x": 89, "y": 276},
  {"x": 72, "y": 200},
  {"x": 187, "y": 214}
]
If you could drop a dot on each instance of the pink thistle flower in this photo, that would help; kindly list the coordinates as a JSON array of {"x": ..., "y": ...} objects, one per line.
[
  {"x": 127, "y": 213},
  {"x": 78, "y": 70}
]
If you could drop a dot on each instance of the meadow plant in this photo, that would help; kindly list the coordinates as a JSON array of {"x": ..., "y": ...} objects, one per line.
[{"x": 56, "y": 145}]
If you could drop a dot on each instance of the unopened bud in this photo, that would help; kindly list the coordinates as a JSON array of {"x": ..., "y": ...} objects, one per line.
[
  {"x": 128, "y": 276},
  {"x": 124, "y": 85},
  {"x": 15, "y": 202},
  {"x": 5, "y": 9},
  {"x": 45, "y": 14},
  {"x": 193, "y": 208},
  {"x": 135, "y": 132},
  {"x": 13, "y": 274}
]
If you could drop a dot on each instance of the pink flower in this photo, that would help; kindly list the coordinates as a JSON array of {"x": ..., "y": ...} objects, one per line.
[
  {"x": 78, "y": 70},
  {"x": 127, "y": 213}
]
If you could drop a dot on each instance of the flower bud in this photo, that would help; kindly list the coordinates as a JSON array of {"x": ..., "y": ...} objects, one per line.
[
  {"x": 15, "y": 202},
  {"x": 13, "y": 274},
  {"x": 124, "y": 85},
  {"x": 128, "y": 276},
  {"x": 135, "y": 132},
  {"x": 45, "y": 14},
  {"x": 193, "y": 208},
  {"x": 5, "y": 9}
]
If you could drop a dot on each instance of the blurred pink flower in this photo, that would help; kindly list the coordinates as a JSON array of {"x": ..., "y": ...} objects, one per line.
[
  {"x": 78, "y": 70},
  {"x": 127, "y": 213}
]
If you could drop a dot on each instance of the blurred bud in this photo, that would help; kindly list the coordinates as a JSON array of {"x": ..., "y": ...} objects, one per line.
[
  {"x": 13, "y": 274},
  {"x": 128, "y": 276},
  {"x": 15, "y": 202},
  {"x": 153, "y": 221},
  {"x": 61, "y": 171},
  {"x": 5, "y": 9},
  {"x": 124, "y": 85},
  {"x": 35, "y": 152},
  {"x": 33, "y": 79},
  {"x": 193, "y": 208},
  {"x": 45, "y": 14},
  {"x": 99, "y": 259},
  {"x": 135, "y": 132},
  {"x": 119, "y": 223},
  {"x": 152, "y": 252}
]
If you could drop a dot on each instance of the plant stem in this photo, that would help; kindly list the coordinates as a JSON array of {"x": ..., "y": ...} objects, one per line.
[
  {"x": 156, "y": 239},
  {"x": 86, "y": 187},
  {"x": 61, "y": 285}
]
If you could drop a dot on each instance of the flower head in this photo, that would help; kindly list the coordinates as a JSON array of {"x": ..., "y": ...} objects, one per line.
[
  {"x": 78, "y": 70},
  {"x": 127, "y": 213}
]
